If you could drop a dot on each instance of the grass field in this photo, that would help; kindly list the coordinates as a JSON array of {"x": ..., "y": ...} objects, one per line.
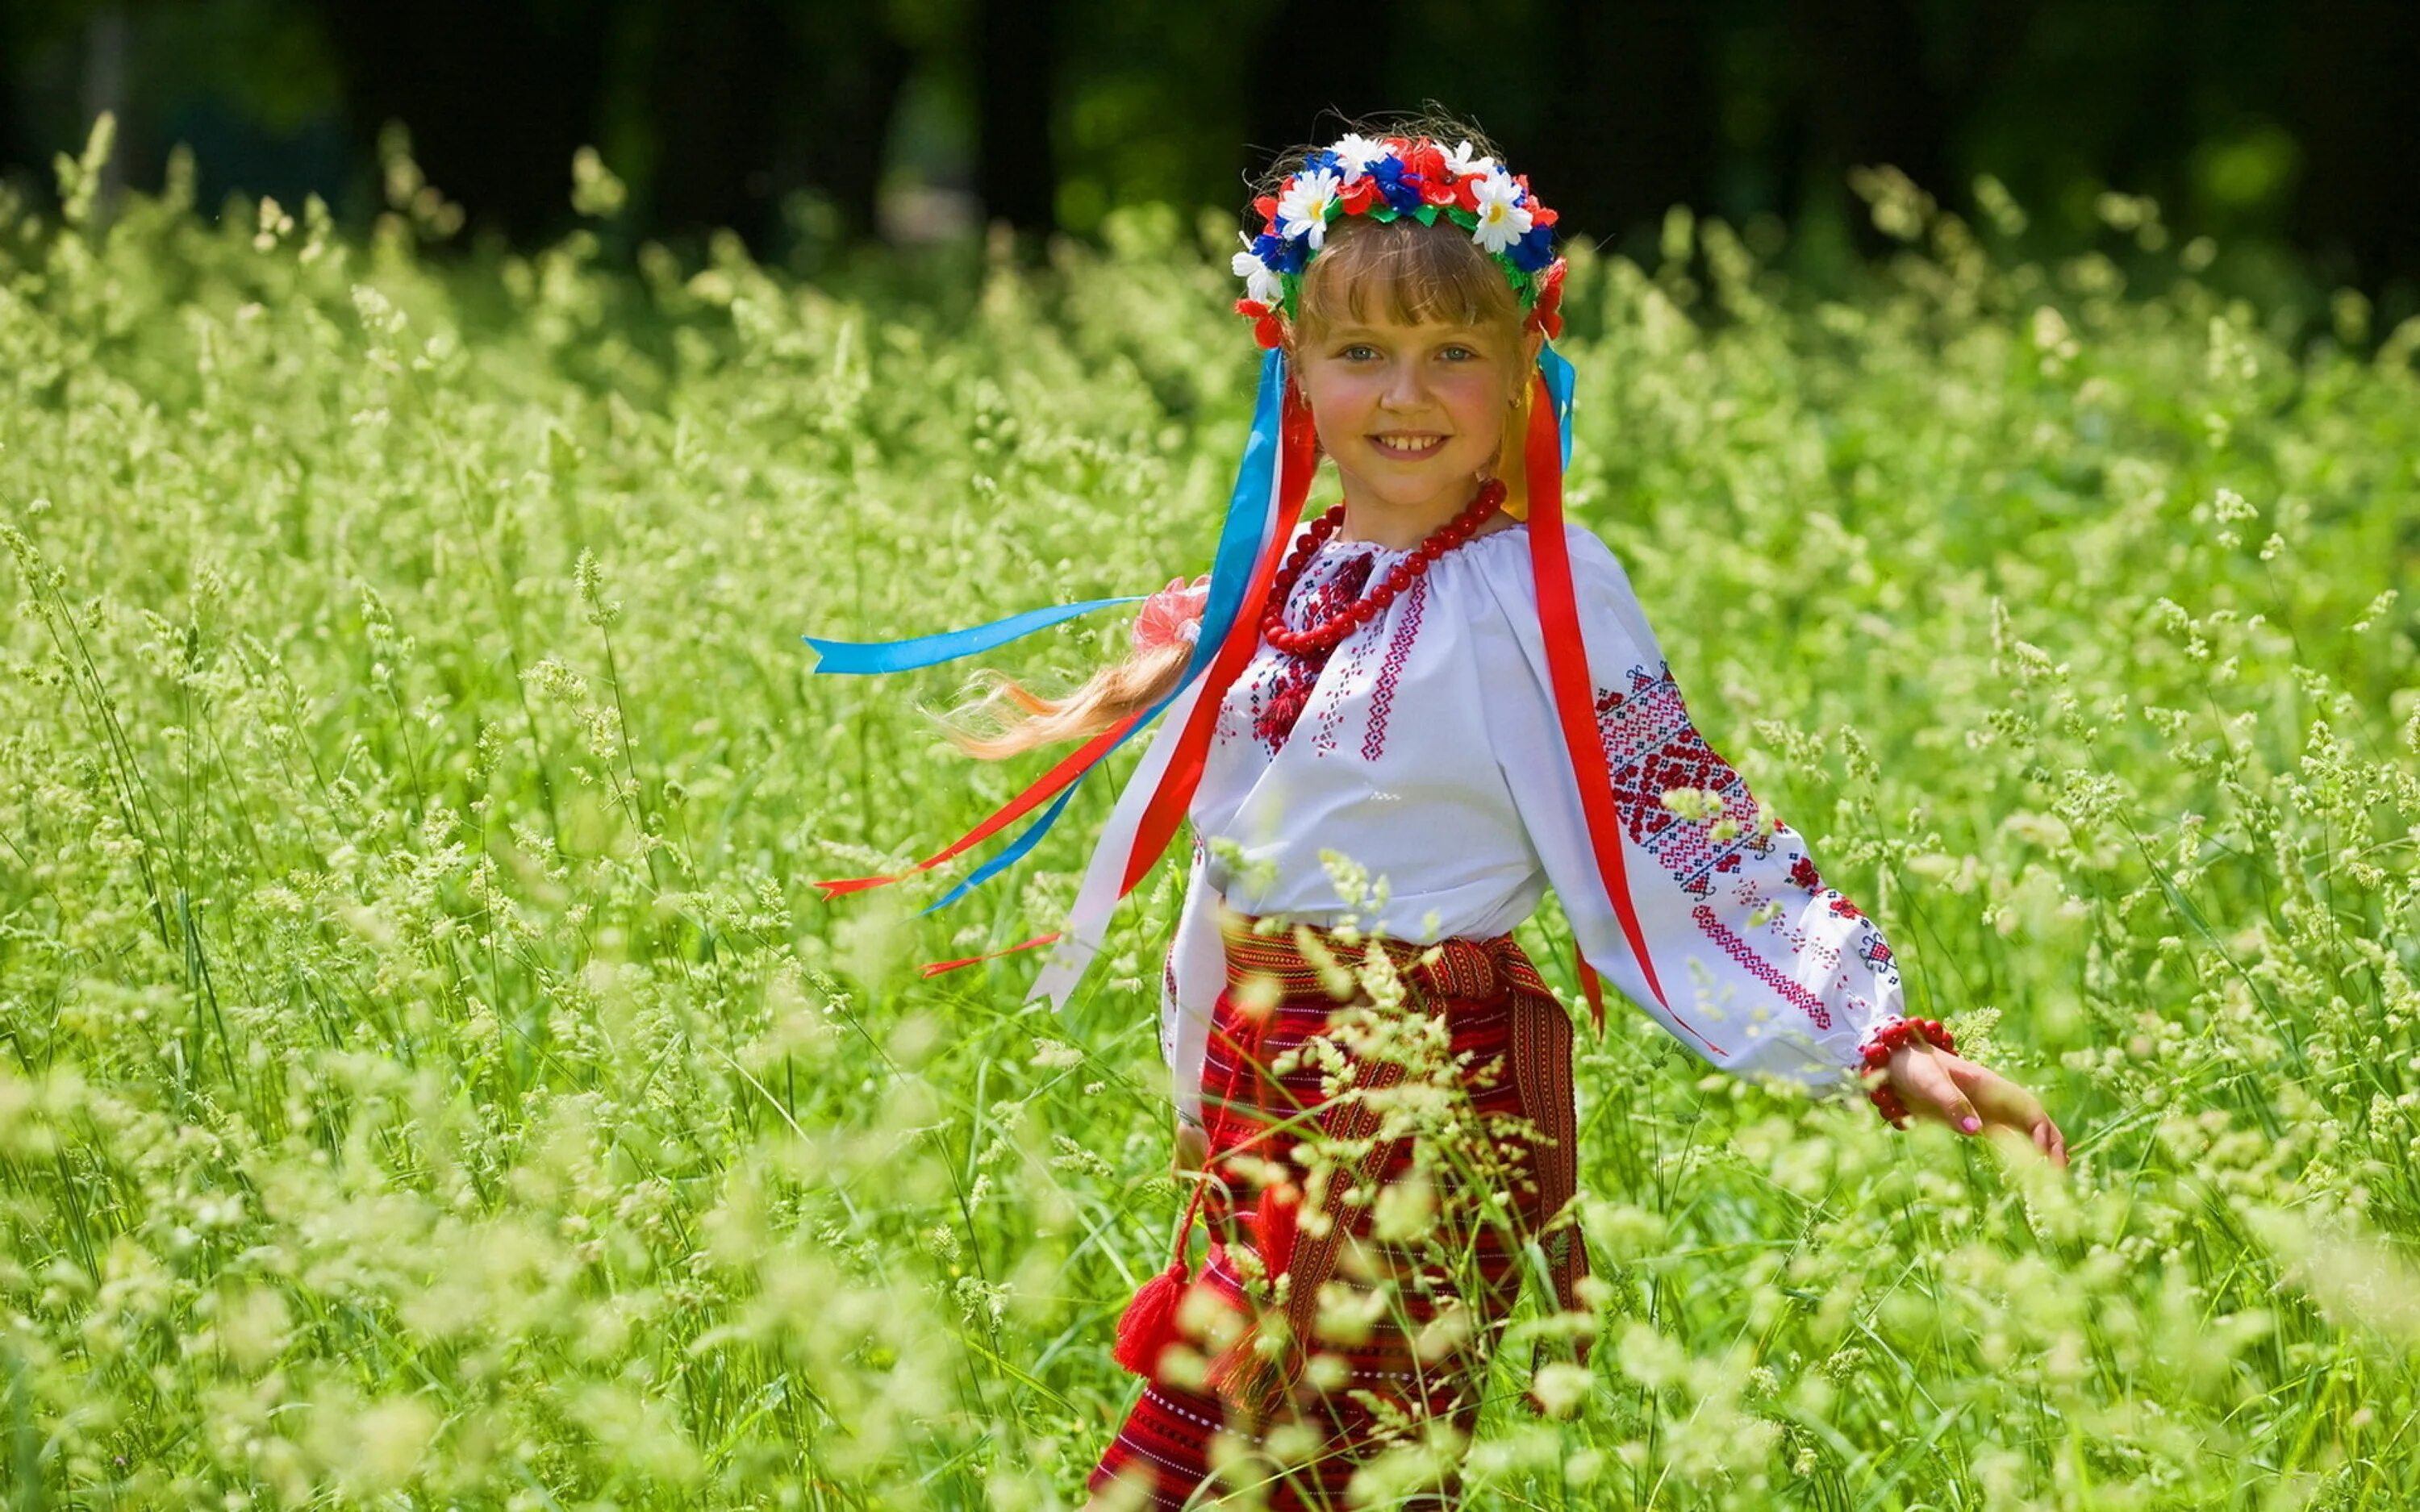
[{"x": 431, "y": 1081}]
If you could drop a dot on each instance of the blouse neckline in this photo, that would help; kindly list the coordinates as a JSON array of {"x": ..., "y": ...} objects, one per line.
[{"x": 1520, "y": 528}]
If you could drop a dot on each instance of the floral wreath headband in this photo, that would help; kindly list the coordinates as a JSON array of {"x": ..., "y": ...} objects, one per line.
[{"x": 1387, "y": 179}]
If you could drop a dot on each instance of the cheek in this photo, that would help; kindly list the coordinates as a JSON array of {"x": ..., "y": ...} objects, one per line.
[{"x": 1476, "y": 404}]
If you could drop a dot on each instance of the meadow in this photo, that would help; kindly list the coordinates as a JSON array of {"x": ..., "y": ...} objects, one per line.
[{"x": 433, "y": 1081}]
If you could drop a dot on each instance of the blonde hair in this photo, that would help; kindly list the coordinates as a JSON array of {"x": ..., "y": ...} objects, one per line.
[
  {"x": 1412, "y": 273},
  {"x": 1006, "y": 717}
]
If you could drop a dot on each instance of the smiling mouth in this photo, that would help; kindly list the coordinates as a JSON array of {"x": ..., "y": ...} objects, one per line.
[{"x": 1409, "y": 444}]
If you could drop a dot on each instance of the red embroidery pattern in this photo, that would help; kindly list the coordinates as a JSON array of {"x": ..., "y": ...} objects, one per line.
[
  {"x": 1355, "y": 652},
  {"x": 1279, "y": 702},
  {"x": 1399, "y": 650},
  {"x": 1650, "y": 747},
  {"x": 1762, "y": 969}
]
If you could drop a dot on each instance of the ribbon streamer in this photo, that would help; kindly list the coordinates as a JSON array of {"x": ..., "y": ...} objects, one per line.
[
  {"x": 1242, "y": 540},
  {"x": 1161, "y": 789},
  {"x": 864, "y": 656}
]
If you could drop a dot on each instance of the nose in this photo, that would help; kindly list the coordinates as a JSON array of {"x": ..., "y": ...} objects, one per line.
[{"x": 1405, "y": 387}]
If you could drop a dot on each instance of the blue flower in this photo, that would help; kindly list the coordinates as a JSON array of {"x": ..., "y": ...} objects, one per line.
[
  {"x": 1402, "y": 189},
  {"x": 1283, "y": 254},
  {"x": 1534, "y": 250}
]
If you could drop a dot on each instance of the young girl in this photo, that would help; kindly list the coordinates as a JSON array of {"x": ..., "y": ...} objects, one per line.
[{"x": 1439, "y": 680}]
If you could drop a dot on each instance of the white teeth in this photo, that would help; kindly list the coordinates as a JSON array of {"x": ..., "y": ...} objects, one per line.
[{"x": 1395, "y": 444}]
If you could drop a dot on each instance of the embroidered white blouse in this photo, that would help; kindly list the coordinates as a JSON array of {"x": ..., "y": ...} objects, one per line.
[{"x": 1425, "y": 749}]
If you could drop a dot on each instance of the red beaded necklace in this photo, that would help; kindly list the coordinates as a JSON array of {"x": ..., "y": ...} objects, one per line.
[{"x": 1327, "y": 633}]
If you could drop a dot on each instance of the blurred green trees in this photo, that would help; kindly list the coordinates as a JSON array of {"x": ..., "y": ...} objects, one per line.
[{"x": 806, "y": 126}]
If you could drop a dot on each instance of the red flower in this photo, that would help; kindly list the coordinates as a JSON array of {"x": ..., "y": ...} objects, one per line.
[
  {"x": 1538, "y": 214},
  {"x": 1546, "y": 314},
  {"x": 1265, "y": 328},
  {"x": 1426, "y": 160},
  {"x": 1356, "y": 195},
  {"x": 1466, "y": 191},
  {"x": 1267, "y": 207}
]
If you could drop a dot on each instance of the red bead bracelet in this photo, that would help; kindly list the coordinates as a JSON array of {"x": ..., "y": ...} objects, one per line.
[{"x": 1877, "y": 1054}]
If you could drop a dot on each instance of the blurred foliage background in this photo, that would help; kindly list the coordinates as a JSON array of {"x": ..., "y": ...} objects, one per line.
[{"x": 811, "y": 128}]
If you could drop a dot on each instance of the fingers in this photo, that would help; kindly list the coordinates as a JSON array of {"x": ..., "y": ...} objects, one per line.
[
  {"x": 1923, "y": 1082},
  {"x": 1192, "y": 1149},
  {"x": 2051, "y": 1142},
  {"x": 2002, "y": 1102}
]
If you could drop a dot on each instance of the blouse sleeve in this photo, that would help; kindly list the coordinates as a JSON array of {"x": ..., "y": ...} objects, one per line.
[
  {"x": 1764, "y": 970},
  {"x": 1195, "y": 974}
]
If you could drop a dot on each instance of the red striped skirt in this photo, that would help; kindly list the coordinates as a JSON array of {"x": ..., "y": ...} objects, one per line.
[{"x": 1431, "y": 1144}]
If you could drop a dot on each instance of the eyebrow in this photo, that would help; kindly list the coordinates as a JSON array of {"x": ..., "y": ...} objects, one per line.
[{"x": 1448, "y": 327}]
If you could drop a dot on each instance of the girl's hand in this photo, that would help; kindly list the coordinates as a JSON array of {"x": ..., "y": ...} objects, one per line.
[
  {"x": 1192, "y": 1149},
  {"x": 1933, "y": 1084}
]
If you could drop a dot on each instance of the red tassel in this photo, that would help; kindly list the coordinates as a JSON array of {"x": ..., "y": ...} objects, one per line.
[
  {"x": 1148, "y": 1327},
  {"x": 1251, "y": 1381},
  {"x": 1273, "y": 1226}
]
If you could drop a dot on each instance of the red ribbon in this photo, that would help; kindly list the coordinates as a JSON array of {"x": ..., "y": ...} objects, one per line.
[
  {"x": 1068, "y": 769},
  {"x": 1567, "y": 671},
  {"x": 1299, "y": 458},
  {"x": 934, "y": 968}
]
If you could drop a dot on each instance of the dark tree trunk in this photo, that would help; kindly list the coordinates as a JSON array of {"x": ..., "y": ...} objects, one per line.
[
  {"x": 16, "y": 140},
  {"x": 1867, "y": 100},
  {"x": 1633, "y": 128},
  {"x": 859, "y": 68},
  {"x": 497, "y": 97},
  {"x": 1017, "y": 169},
  {"x": 715, "y": 77},
  {"x": 1291, "y": 105},
  {"x": 2354, "y": 83}
]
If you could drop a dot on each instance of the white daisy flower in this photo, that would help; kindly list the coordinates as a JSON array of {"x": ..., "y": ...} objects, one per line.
[
  {"x": 1357, "y": 153},
  {"x": 1501, "y": 220},
  {"x": 1302, "y": 209},
  {"x": 1461, "y": 162},
  {"x": 1259, "y": 282}
]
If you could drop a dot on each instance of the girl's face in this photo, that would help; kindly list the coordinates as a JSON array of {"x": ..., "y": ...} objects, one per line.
[{"x": 1413, "y": 414}]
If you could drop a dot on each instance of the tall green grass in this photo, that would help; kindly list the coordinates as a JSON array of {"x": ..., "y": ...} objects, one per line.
[{"x": 430, "y": 1080}]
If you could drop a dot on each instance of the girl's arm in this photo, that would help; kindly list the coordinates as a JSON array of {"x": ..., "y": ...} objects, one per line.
[{"x": 1765, "y": 969}]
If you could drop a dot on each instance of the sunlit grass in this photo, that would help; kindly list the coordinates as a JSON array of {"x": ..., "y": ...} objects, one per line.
[{"x": 433, "y": 1081}]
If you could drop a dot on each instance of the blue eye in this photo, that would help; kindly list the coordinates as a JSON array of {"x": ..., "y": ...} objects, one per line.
[
  {"x": 1356, "y": 349},
  {"x": 1464, "y": 351}
]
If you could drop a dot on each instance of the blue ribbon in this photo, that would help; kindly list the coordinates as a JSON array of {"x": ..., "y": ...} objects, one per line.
[
  {"x": 1231, "y": 573},
  {"x": 1557, "y": 370},
  {"x": 931, "y": 650}
]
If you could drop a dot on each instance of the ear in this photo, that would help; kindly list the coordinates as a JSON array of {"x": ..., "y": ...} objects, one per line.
[{"x": 1512, "y": 457}]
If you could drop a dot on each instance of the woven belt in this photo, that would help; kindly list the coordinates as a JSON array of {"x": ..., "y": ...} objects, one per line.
[{"x": 1457, "y": 967}]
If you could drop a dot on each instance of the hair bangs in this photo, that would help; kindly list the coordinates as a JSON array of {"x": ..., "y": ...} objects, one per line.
[{"x": 1403, "y": 273}]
